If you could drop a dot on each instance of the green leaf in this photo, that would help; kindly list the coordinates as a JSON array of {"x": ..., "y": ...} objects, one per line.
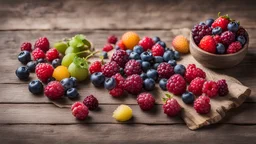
[
  {"x": 80, "y": 62},
  {"x": 168, "y": 95}
]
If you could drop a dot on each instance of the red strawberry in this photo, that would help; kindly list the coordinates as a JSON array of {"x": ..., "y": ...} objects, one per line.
[
  {"x": 208, "y": 44},
  {"x": 222, "y": 22}
]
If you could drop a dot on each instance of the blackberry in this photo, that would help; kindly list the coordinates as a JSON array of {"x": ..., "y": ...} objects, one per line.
[{"x": 199, "y": 31}]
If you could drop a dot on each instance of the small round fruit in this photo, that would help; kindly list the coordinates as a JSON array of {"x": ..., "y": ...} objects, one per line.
[
  {"x": 22, "y": 73},
  {"x": 155, "y": 66},
  {"x": 149, "y": 84},
  {"x": 156, "y": 39},
  {"x": 41, "y": 60},
  {"x": 122, "y": 113},
  {"x": 162, "y": 44},
  {"x": 79, "y": 110},
  {"x": 152, "y": 73},
  {"x": 138, "y": 49},
  {"x": 168, "y": 55},
  {"x": 145, "y": 65},
  {"x": 68, "y": 59},
  {"x": 31, "y": 66},
  {"x": 158, "y": 59},
  {"x": 241, "y": 39},
  {"x": 104, "y": 54},
  {"x": 128, "y": 51},
  {"x": 146, "y": 56},
  {"x": 60, "y": 73},
  {"x": 24, "y": 57},
  {"x": 73, "y": 79},
  {"x": 209, "y": 22},
  {"x": 233, "y": 26},
  {"x": 188, "y": 97},
  {"x": 56, "y": 63},
  {"x": 162, "y": 84},
  {"x": 220, "y": 48},
  {"x": 143, "y": 76},
  {"x": 97, "y": 79},
  {"x": 217, "y": 31},
  {"x": 67, "y": 83},
  {"x": 181, "y": 44},
  {"x": 130, "y": 39},
  {"x": 134, "y": 55},
  {"x": 50, "y": 79},
  {"x": 172, "y": 63},
  {"x": 61, "y": 47},
  {"x": 36, "y": 87},
  {"x": 176, "y": 55},
  {"x": 110, "y": 83},
  {"x": 73, "y": 50},
  {"x": 79, "y": 73},
  {"x": 72, "y": 93},
  {"x": 180, "y": 69}
]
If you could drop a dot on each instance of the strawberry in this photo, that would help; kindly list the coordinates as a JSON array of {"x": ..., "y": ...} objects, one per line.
[
  {"x": 208, "y": 44},
  {"x": 222, "y": 22}
]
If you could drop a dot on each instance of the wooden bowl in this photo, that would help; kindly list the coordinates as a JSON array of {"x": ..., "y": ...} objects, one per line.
[{"x": 217, "y": 61}]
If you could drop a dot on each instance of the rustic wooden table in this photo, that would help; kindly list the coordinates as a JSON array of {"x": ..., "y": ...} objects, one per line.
[{"x": 25, "y": 118}]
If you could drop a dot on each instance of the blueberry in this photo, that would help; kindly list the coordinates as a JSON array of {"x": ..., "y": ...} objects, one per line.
[
  {"x": 176, "y": 55},
  {"x": 128, "y": 51},
  {"x": 180, "y": 69},
  {"x": 56, "y": 63},
  {"x": 22, "y": 73},
  {"x": 31, "y": 66},
  {"x": 140, "y": 61},
  {"x": 216, "y": 30},
  {"x": 149, "y": 84},
  {"x": 172, "y": 62},
  {"x": 117, "y": 47},
  {"x": 50, "y": 79},
  {"x": 35, "y": 87},
  {"x": 104, "y": 54},
  {"x": 162, "y": 43},
  {"x": 67, "y": 83},
  {"x": 220, "y": 48},
  {"x": 146, "y": 56},
  {"x": 166, "y": 49},
  {"x": 162, "y": 84},
  {"x": 201, "y": 23},
  {"x": 41, "y": 60},
  {"x": 209, "y": 22},
  {"x": 145, "y": 66},
  {"x": 188, "y": 97},
  {"x": 241, "y": 39},
  {"x": 233, "y": 26},
  {"x": 134, "y": 55},
  {"x": 156, "y": 65},
  {"x": 72, "y": 93},
  {"x": 24, "y": 57},
  {"x": 138, "y": 49},
  {"x": 156, "y": 39},
  {"x": 158, "y": 59},
  {"x": 152, "y": 73},
  {"x": 110, "y": 83},
  {"x": 168, "y": 55},
  {"x": 97, "y": 79},
  {"x": 74, "y": 80},
  {"x": 143, "y": 76}
]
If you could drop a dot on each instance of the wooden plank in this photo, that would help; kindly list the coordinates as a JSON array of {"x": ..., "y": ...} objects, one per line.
[
  {"x": 144, "y": 14},
  {"x": 50, "y": 114},
  {"x": 141, "y": 134}
]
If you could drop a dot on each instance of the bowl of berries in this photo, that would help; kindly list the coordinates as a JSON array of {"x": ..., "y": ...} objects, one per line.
[{"x": 220, "y": 43}]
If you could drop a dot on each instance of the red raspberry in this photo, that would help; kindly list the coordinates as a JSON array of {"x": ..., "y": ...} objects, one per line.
[
  {"x": 42, "y": 43},
  {"x": 234, "y": 47},
  {"x": 196, "y": 86},
  {"x": 95, "y": 67},
  {"x": 107, "y": 47},
  {"x": 171, "y": 107},
  {"x": 210, "y": 88},
  {"x": 165, "y": 70},
  {"x": 202, "y": 105},
  {"x": 79, "y": 110},
  {"x": 110, "y": 69},
  {"x": 121, "y": 45},
  {"x": 227, "y": 37},
  {"x": 132, "y": 67},
  {"x": 44, "y": 71},
  {"x": 26, "y": 46},
  {"x": 91, "y": 102},
  {"x": 37, "y": 54},
  {"x": 119, "y": 80},
  {"x": 133, "y": 84},
  {"x": 54, "y": 90},
  {"x": 217, "y": 39},
  {"x": 146, "y": 43},
  {"x": 176, "y": 84},
  {"x": 120, "y": 57},
  {"x": 112, "y": 39},
  {"x": 192, "y": 72},
  {"x": 116, "y": 92},
  {"x": 146, "y": 101},
  {"x": 52, "y": 54},
  {"x": 222, "y": 87},
  {"x": 157, "y": 50},
  {"x": 208, "y": 44},
  {"x": 199, "y": 31},
  {"x": 241, "y": 32}
]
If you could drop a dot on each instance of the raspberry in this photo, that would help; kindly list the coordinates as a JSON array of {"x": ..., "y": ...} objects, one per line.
[
  {"x": 217, "y": 39},
  {"x": 119, "y": 80},
  {"x": 176, "y": 84},
  {"x": 208, "y": 44},
  {"x": 52, "y": 54},
  {"x": 54, "y": 90},
  {"x": 110, "y": 69},
  {"x": 146, "y": 43},
  {"x": 91, "y": 102},
  {"x": 165, "y": 70},
  {"x": 26, "y": 46},
  {"x": 222, "y": 87},
  {"x": 120, "y": 57},
  {"x": 146, "y": 101},
  {"x": 116, "y": 92},
  {"x": 95, "y": 67},
  {"x": 199, "y": 31},
  {"x": 44, "y": 71},
  {"x": 192, "y": 72},
  {"x": 38, "y": 54},
  {"x": 171, "y": 107},
  {"x": 202, "y": 105},
  {"x": 196, "y": 86},
  {"x": 210, "y": 88},
  {"x": 42, "y": 43},
  {"x": 132, "y": 67},
  {"x": 227, "y": 37},
  {"x": 107, "y": 47},
  {"x": 234, "y": 47},
  {"x": 121, "y": 45},
  {"x": 157, "y": 50},
  {"x": 112, "y": 39},
  {"x": 79, "y": 110},
  {"x": 241, "y": 32},
  {"x": 133, "y": 84}
]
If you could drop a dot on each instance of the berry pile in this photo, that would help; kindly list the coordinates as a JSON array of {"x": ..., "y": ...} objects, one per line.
[{"x": 220, "y": 36}]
